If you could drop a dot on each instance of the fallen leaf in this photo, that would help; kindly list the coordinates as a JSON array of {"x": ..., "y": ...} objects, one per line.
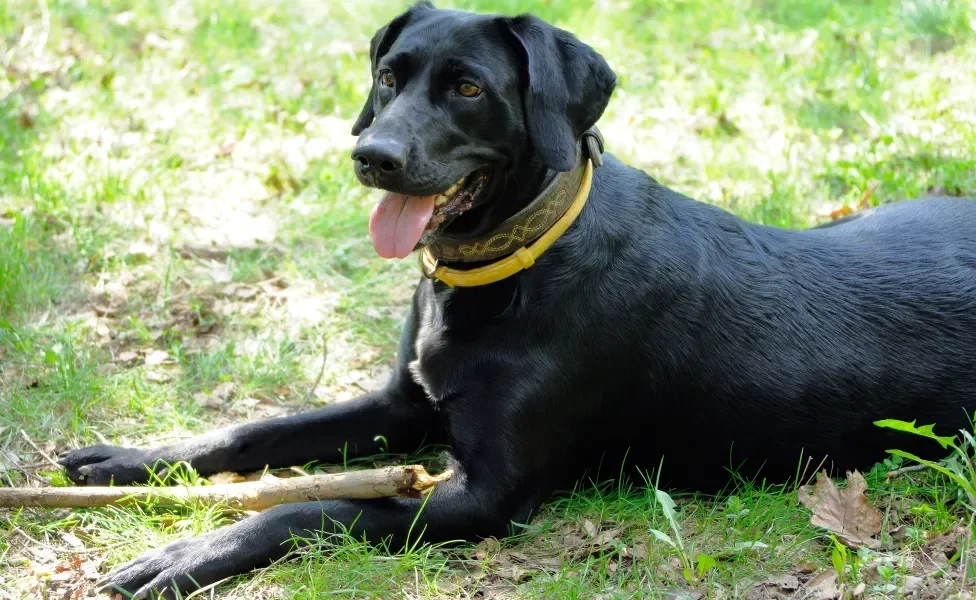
[
  {"x": 608, "y": 536},
  {"x": 28, "y": 116},
  {"x": 156, "y": 357},
  {"x": 221, "y": 273},
  {"x": 899, "y": 533},
  {"x": 806, "y": 567},
  {"x": 246, "y": 293},
  {"x": 843, "y": 211},
  {"x": 73, "y": 541},
  {"x": 217, "y": 397},
  {"x": 911, "y": 584},
  {"x": 157, "y": 376},
  {"x": 127, "y": 356},
  {"x": 846, "y": 513},
  {"x": 141, "y": 250},
  {"x": 784, "y": 583},
  {"x": 823, "y": 587},
  {"x": 225, "y": 477},
  {"x": 638, "y": 552},
  {"x": 589, "y": 528},
  {"x": 950, "y": 543},
  {"x": 859, "y": 590}
]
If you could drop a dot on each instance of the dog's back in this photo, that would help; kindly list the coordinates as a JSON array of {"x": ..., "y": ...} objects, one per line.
[{"x": 743, "y": 332}]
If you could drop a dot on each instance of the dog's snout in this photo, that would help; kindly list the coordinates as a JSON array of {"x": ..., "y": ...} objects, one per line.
[{"x": 379, "y": 156}]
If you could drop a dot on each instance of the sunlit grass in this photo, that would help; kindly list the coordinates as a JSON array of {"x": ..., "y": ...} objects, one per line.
[{"x": 177, "y": 212}]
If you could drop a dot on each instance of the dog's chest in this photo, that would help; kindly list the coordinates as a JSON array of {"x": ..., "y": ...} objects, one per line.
[{"x": 453, "y": 326}]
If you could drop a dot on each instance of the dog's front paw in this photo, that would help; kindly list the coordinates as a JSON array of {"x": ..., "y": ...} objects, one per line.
[
  {"x": 175, "y": 569},
  {"x": 102, "y": 464}
]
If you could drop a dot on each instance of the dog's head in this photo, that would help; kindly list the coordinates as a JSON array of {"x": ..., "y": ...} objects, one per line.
[{"x": 461, "y": 105}]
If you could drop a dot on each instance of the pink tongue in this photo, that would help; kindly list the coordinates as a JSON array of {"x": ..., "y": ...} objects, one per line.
[{"x": 397, "y": 222}]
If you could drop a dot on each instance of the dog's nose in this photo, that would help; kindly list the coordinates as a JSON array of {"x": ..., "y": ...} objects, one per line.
[{"x": 380, "y": 156}]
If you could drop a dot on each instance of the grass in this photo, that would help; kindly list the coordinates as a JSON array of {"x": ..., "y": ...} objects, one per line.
[{"x": 177, "y": 212}]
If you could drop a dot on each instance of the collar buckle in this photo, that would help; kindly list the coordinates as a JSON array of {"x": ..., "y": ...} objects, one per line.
[
  {"x": 427, "y": 272},
  {"x": 593, "y": 140}
]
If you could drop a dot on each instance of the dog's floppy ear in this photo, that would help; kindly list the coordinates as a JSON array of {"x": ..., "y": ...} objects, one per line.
[
  {"x": 569, "y": 86},
  {"x": 378, "y": 47}
]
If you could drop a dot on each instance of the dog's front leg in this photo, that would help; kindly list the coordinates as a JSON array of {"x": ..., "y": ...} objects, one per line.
[
  {"x": 360, "y": 427},
  {"x": 460, "y": 509},
  {"x": 398, "y": 418}
]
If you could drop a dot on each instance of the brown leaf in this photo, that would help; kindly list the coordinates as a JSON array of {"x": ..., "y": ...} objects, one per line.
[
  {"x": 157, "y": 376},
  {"x": 605, "y": 538},
  {"x": 846, "y": 513},
  {"x": 806, "y": 567},
  {"x": 949, "y": 543},
  {"x": 157, "y": 357},
  {"x": 73, "y": 541},
  {"x": 246, "y": 293},
  {"x": 28, "y": 116},
  {"x": 899, "y": 533},
  {"x": 127, "y": 356},
  {"x": 784, "y": 583},
  {"x": 216, "y": 398},
  {"x": 638, "y": 552},
  {"x": 911, "y": 584},
  {"x": 823, "y": 587},
  {"x": 843, "y": 211},
  {"x": 589, "y": 528},
  {"x": 225, "y": 477}
]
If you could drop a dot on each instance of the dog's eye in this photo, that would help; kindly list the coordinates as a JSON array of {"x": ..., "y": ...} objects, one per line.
[
  {"x": 387, "y": 78},
  {"x": 468, "y": 90}
]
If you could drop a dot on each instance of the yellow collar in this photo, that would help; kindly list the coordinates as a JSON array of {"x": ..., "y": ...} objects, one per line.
[{"x": 522, "y": 259}]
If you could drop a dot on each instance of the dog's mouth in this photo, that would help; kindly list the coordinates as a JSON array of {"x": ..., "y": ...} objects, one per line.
[{"x": 400, "y": 224}]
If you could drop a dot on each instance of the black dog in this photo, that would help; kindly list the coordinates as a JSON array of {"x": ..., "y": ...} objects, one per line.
[{"x": 653, "y": 326}]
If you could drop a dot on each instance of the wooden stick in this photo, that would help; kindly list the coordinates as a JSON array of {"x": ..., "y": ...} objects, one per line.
[{"x": 408, "y": 480}]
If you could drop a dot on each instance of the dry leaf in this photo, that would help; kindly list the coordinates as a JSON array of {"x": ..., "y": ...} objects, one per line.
[
  {"x": 127, "y": 356},
  {"x": 638, "y": 552},
  {"x": 246, "y": 293},
  {"x": 156, "y": 376},
  {"x": 846, "y": 513},
  {"x": 589, "y": 528},
  {"x": 225, "y": 477},
  {"x": 600, "y": 539},
  {"x": 899, "y": 533},
  {"x": 216, "y": 398},
  {"x": 608, "y": 536},
  {"x": 951, "y": 542},
  {"x": 823, "y": 587},
  {"x": 806, "y": 567},
  {"x": 73, "y": 541},
  {"x": 785, "y": 583},
  {"x": 157, "y": 357},
  {"x": 911, "y": 584}
]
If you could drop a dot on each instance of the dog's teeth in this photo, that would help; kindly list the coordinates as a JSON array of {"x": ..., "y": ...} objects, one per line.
[
  {"x": 450, "y": 191},
  {"x": 441, "y": 200}
]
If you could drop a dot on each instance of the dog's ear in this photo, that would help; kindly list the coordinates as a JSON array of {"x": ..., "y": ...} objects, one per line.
[
  {"x": 569, "y": 86},
  {"x": 378, "y": 47}
]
